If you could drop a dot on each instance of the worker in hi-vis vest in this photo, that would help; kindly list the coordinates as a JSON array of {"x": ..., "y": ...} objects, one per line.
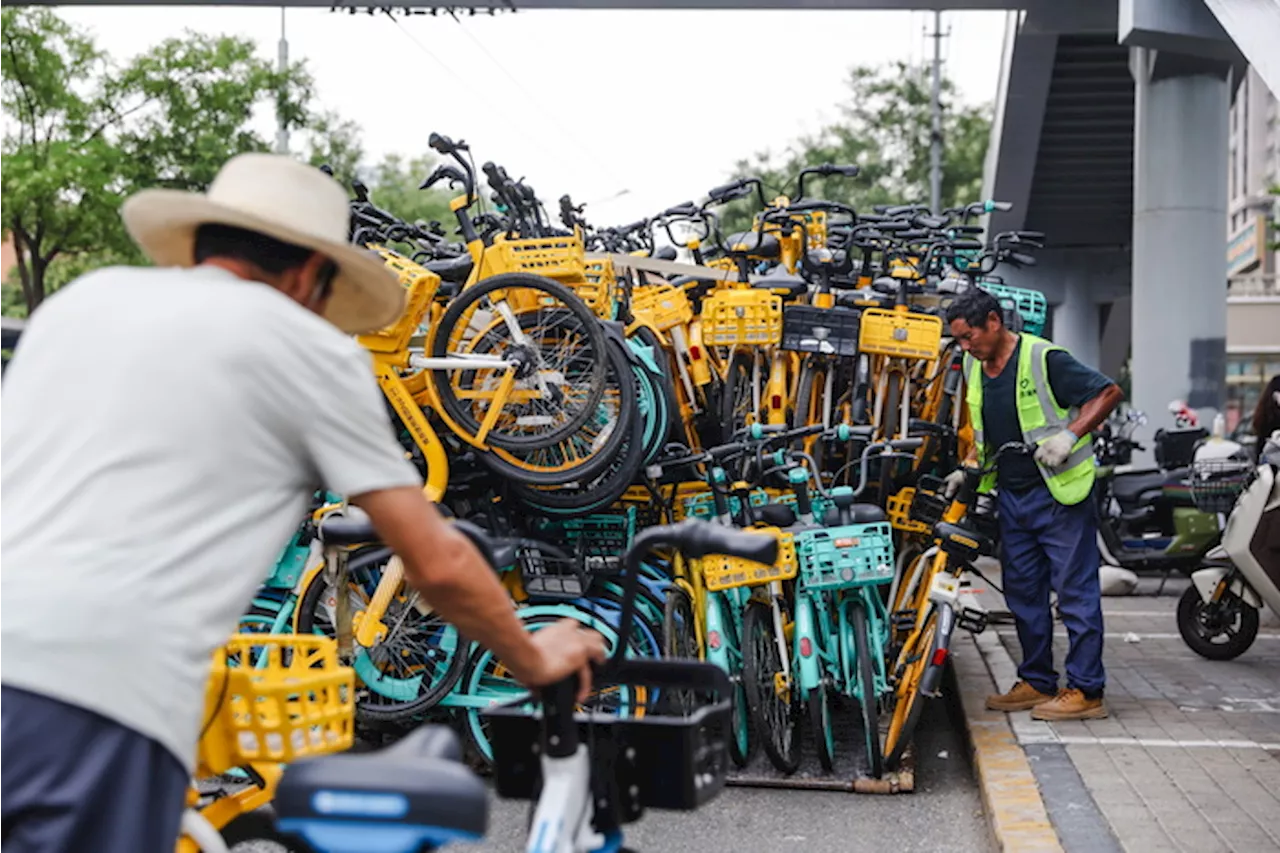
[{"x": 1021, "y": 388}]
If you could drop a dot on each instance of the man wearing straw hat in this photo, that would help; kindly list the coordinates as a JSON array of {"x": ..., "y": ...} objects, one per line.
[{"x": 164, "y": 429}]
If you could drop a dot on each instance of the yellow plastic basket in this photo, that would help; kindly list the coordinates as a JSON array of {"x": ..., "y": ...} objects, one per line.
[
  {"x": 275, "y": 698},
  {"x": 721, "y": 572},
  {"x": 599, "y": 288},
  {"x": 895, "y": 333},
  {"x": 422, "y": 285},
  {"x": 661, "y": 306},
  {"x": 555, "y": 257},
  {"x": 742, "y": 316},
  {"x": 898, "y": 509}
]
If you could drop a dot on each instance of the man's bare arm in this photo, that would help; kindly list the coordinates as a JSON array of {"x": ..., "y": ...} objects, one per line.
[
  {"x": 1094, "y": 412},
  {"x": 446, "y": 568}
]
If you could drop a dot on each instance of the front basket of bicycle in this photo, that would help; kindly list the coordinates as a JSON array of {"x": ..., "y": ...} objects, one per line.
[
  {"x": 831, "y": 331},
  {"x": 899, "y": 334},
  {"x": 674, "y": 755},
  {"x": 276, "y": 698},
  {"x": 742, "y": 316},
  {"x": 723, "y": 572},
  {"x": 1030, "y": 304},
  {"x": 846, "y": 556},
  {"x": 927, "y": 501},
  {"x": 1217, "y": 483}
]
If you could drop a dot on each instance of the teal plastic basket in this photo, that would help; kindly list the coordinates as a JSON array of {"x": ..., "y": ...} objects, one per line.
[
  {"x": 703, "y": 505},
  {"x": 1030, "y": 304},
  {"x": 848, "y": 556},
  {"x": 601, "y": 538}
]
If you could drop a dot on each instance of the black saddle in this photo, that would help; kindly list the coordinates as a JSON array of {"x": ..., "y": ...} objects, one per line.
[
  {"x": 453, "y": 270},
  {"x": 753, "y": 243}
]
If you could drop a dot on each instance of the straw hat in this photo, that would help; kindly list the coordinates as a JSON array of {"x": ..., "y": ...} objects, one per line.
[{"x": 277, "y": 196}]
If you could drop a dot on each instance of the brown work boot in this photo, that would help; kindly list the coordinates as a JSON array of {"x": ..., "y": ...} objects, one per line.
[
  {"x": 1070, "y": 704},
  {"x": 1020, "y": 698}
]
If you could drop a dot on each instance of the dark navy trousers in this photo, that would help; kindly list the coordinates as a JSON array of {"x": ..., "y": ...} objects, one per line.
[
  {"x": 1045, "y": 545},
  {"x": 77, "y": 782}
]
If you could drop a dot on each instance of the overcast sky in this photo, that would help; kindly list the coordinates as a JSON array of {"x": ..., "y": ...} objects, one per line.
[{"x": 630, "y": 111}]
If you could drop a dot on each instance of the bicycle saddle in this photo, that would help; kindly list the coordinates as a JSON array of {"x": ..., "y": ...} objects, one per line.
[
  {"x": 752, "y": 243},
  {"x": 413, "y": 794},
  {"x": 453, "y": 270},
  {"x": 786, "y": 285},
  {"x": 859, "y": 514},
  {"x": 347, "y": 530}
]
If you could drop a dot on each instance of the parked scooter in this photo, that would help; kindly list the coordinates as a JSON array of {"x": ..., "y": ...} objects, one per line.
[
  {"x": 1147, "y": 520},
  {"x": 1218, "y": 614}
]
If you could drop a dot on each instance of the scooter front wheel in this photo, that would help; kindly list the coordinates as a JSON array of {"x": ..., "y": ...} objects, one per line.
[{"x": 1217, "y": 630}]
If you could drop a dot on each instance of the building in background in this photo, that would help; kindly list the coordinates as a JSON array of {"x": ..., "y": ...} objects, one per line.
[{"x": 1253, "y": 294}]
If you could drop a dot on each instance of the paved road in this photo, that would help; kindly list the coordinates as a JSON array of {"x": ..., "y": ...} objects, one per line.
[{"x": 943, "y": 814}]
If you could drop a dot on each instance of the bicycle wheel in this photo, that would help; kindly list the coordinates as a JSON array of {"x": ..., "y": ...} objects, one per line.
[
  {"x": 587, "y": 496},
  {"x": 810, "y": 392},
  {"x": 488, "y": 682},
  {"x": 410, "y": 669},
  {"x": 591, "y": 448},
  {"x": 679, "y": 641},
  {"x": 737, "y": 401},
  {"x": 771, "y": 698},
  {"x": 819, "y": 703},
  {"x": 867, "y": 695},
  {"x": 908, "y": 703},
  {"x": 545, "y": 328}
]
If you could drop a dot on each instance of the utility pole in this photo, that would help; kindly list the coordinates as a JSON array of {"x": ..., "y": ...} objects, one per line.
[
  {"x": 935, "y": 137},
  {"x": 282, "y": 131}
]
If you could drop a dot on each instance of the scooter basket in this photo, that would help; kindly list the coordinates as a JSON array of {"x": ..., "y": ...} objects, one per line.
[
  {"x": 1217, "y": 483},
  {"x": 656, "y": 760}
]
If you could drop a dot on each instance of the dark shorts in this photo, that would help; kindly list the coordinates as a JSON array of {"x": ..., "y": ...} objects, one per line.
[{"x": 77, "y": 782}]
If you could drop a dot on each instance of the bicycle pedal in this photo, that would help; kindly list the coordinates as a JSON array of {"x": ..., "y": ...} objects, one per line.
[
  {"x": 903, "y": 620},
  {"x": 972, "y": 619}
]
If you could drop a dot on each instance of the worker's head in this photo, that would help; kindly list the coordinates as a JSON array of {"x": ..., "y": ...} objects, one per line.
[{"x": 977, "y": 322}]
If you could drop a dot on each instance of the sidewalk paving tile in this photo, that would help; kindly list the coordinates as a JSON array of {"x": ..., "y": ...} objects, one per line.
[{"x": 1183, "y": 762}]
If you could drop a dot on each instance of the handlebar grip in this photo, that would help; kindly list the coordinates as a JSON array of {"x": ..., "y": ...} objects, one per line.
[
  {"x": 1022, "y": 259},
  {"x": 1000, "y": 205},
  {"x": 759, "y": 431},
  {"x": 478, "y": 538},
  {"x": 918, "y": 425},
  {"x": 726, "y": 450},
  {"x": 906, "y": 444},
  {"x": 666, "y": 253},
  {"x": 698, "y": 538},
  {"x": 687, "y": 208},
  {"x": 439, "y": 142}
]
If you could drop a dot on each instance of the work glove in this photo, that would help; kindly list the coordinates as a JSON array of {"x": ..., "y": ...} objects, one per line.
[
  {"x": 1056, "y": 449},
  {"x": 952, "y": 483}
]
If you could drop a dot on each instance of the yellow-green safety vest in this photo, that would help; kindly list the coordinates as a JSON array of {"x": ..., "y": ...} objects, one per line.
[{"x": 1039, "y": 417}]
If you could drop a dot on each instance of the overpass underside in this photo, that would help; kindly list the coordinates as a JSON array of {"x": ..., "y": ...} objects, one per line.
[{"x": 1110, "y": 136}]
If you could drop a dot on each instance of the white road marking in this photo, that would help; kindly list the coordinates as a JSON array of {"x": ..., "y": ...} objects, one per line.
[{"x": 1146, "y": 743}]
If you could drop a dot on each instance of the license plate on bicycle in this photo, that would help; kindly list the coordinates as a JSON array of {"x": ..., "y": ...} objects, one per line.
[{"x": 945, "y": 589}]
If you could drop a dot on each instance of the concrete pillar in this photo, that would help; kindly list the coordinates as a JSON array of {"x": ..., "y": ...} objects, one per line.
[
  {"x": 1075, "y": 321},
  {"x": 1179, "y": 239}
]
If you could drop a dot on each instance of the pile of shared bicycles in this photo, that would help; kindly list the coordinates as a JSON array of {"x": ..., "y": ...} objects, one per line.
[{"x": 564, "y": 388}]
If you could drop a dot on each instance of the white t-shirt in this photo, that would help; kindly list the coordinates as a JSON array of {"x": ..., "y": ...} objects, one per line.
[{"x": 162, "y": 432}]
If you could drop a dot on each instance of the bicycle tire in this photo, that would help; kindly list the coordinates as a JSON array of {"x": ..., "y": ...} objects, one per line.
[
  {"x": 649, "y": 338},
  {"x": 591, "y": 496},
  {"x": 587, "y": 324},
  {"x": 819, "y": 703},
  {"x": 868, "y": 701},
  {"x": 779, "y": 735},
  {"x": 906, "y": 717},
  {"x": 737, "y": 385},
  {"x": 601, "y": 457},
  {"x": 438, "y": 688}
]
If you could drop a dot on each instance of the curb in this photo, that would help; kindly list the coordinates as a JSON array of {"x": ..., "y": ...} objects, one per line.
[{"x": 1010, "y": 794}]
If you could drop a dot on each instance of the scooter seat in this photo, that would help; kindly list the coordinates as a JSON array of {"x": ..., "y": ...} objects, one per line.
[
  {"x": 415, "y": 791},
  {"x": 1130, "y": 488}
]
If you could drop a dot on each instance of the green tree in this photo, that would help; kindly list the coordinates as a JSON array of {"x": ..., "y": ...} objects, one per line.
[
  {"x": 393, "y": 185},
  {"x": 84, "y": 132},
  {"x": 884, "y": 128},
  {"x": 334, "y": 142}
]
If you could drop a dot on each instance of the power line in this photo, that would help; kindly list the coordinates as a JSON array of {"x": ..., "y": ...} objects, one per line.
[{"x": 568, "y": 134}]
